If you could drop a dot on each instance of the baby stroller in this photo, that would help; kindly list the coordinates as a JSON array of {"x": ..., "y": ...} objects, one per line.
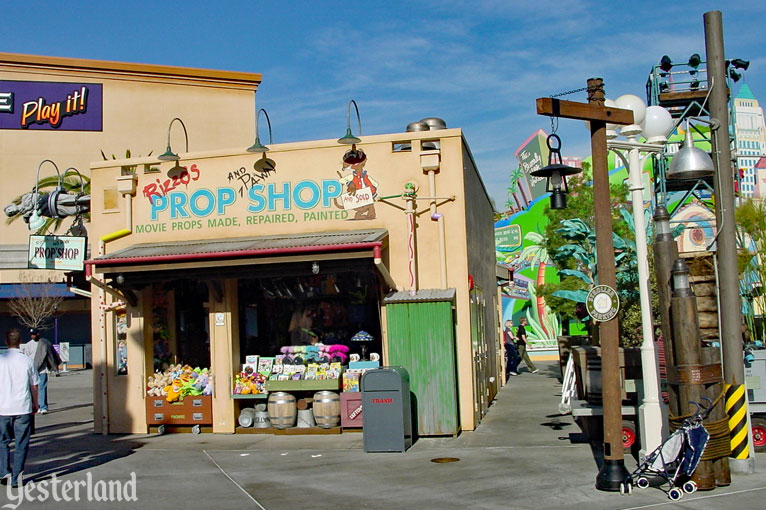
[{"x": 674, "y": 461}]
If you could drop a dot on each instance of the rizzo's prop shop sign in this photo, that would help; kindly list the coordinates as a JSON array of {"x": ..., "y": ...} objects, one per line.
[
  {"x": 255, "y": 195},
  {"x": 64, "y": 253},
  {"x": 35, "y": 105}
]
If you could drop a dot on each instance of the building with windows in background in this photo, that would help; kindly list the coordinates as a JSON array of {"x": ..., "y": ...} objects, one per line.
[{"x": 750, "y": 133}]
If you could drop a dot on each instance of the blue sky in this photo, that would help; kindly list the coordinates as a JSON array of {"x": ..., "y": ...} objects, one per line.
[{"x": 479, "y": 65}]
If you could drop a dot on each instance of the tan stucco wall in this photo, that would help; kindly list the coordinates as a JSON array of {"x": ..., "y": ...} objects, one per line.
[
  {"x": 139, "y": 101},
  {"x": 318, "y": 161}
]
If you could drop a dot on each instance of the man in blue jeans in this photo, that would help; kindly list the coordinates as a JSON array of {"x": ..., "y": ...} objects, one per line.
[
  {"x": 45, "y": 360},
  {"x": 18, "y": 404}
]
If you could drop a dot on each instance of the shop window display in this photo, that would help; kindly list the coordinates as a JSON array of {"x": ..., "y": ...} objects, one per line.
[{"x": 284, "y": 315}]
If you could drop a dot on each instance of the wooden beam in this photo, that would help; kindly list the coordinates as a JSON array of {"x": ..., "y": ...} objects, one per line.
[{"x": 582, "y": 111}]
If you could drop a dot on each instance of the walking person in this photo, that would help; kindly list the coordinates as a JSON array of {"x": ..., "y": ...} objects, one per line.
[
  {"x": 45, "y": 360},
  {"x": 18, "y": 403},
  {"x": 511, "y": 354},
  {"x": 521, "y": 345}
]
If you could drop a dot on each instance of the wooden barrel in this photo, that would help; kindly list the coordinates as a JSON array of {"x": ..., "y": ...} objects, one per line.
[
  {"x": 327, "y": 409},
  {"x": 246, "y": 417},
  {"x": 282, "y": 411}
]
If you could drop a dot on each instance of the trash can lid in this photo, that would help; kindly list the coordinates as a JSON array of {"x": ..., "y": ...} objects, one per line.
[{"x": 385, "y": 379}]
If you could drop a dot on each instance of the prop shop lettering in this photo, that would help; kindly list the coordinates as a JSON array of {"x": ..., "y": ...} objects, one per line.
[
  {"x": 40, "y": 112},
  {"x": 56, "y": 252},
  {"x": 162, "y": 188},
  {"x": 201, "y": 203}
]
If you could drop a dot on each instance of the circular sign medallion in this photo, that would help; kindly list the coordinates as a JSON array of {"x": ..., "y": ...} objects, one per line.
[{"x": 603, "y": 303}]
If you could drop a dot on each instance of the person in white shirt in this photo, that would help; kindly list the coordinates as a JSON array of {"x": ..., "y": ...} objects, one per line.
[
  {"x": 18, "y": 404},
  {"x": 45, "y": 360}
]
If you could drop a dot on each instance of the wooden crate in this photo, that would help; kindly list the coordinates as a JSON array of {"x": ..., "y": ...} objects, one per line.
[
  {"x": 191, "y": 410},
  {"x": 351, "y": 415}
]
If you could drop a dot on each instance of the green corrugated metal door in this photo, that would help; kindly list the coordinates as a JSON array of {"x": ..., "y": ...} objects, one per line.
[{"x": 421, "y": 338}]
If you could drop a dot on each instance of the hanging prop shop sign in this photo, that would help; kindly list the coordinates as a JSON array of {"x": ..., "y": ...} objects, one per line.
[
  {"x": 63, "y": 253},
  {"x": 253, "y": 198},
  {"x": 37, "y": 105}
]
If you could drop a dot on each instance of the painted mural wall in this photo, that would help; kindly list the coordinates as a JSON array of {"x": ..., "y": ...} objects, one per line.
[{"x": 520, "y": 242}]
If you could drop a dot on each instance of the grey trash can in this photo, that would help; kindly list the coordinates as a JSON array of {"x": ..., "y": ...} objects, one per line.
[{"x": 387, "y": 415}]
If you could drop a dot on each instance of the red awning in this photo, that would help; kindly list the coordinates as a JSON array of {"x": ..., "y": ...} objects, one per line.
[{"x": 148, "y": 254}]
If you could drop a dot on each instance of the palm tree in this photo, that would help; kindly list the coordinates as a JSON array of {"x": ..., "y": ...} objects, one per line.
[{"x": 539, "y": 256}]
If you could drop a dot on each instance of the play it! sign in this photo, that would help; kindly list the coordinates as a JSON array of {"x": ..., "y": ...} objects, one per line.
[
  {"x": 38, "y": 105},
  {"x": 56, "y": 252}
]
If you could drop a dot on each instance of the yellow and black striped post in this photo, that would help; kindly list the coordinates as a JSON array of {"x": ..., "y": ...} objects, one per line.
[{"x": 736, "y": 409}]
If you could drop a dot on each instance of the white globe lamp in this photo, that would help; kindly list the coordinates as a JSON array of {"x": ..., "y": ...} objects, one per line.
[
  {"x": 637, "y": 105},
  {"x": 657, "y": 124}
]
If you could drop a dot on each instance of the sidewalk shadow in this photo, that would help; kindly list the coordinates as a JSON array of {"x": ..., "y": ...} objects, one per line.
[{"x": 70, "y": 447}]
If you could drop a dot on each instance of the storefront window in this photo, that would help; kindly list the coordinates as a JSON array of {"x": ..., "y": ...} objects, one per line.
[
  {"x": 161, "y": 334},
  {"x": 300, "y": 308}
]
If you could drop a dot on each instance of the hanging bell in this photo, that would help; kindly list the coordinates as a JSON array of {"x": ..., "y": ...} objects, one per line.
[{"x": 556, "y": 174}]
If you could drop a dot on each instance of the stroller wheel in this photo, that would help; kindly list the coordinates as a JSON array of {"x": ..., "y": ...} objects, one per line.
[
  {"x": 642, "y": 482},
  {"x": 675, "y": 494},
  {"x": 690, "y": 487}
]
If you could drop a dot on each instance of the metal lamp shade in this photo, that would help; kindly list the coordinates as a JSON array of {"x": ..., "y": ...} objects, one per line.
[
  {"x": 558, "y": 193},
  {"x": 168, "y": 155},
  {"x": 690, "y": 162},
  {"x": 349, "y": 138},
  {"x": 257, "y": 146}
]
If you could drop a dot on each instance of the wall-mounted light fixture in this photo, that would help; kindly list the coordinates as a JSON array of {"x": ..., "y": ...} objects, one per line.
[
  {"x": 258, "y": 146},
  {"x": 169, "y": 155},
  {"x": 349, "y": 138},
  {"x": 315, "y": 268}
]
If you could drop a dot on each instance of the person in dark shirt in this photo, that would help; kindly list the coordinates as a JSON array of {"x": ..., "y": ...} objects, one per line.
[
  {"x": 521, "y": 345},
  {"x": 511, "y": 354}
]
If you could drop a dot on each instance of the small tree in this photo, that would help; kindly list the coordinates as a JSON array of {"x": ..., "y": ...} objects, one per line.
[
  {"x": 751, "y": 222},
  {"x": 35, "y": 309}
]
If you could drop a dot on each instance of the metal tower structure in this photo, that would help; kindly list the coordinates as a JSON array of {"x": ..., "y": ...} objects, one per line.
[{"x": 683, "y": 89}]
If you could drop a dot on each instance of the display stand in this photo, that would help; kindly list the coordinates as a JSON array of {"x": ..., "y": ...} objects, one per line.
[{"x": 192, "y": 411}]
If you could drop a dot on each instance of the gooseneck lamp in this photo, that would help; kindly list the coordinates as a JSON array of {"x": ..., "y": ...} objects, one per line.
[
  {"x": 349, "y": 138},
  {"x": 169, "y": 155},
  {"x": 258, "y": 146},
  {"x": 36, "y": 221},
  {"x": 555, "y": 173}
]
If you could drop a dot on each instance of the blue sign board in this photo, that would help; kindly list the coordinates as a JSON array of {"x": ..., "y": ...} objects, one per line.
[{"x": 40, "y": 105}]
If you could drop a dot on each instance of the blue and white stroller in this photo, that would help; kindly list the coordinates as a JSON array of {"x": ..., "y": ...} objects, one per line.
[{"x": 675, "y": 460}]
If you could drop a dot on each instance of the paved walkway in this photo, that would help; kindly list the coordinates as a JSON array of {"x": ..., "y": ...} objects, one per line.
[{"x": 524, "y": 455}]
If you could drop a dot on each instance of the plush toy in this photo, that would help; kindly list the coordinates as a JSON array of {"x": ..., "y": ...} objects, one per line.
[
  {"x": 248, "y": 383},
  {"x": 179, "y": 381},
  {"x": 333, "y": 353}
]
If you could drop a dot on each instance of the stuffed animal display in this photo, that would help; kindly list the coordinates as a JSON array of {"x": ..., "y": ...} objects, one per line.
[
  {"x": 319, "y": 353},
  {"x": 178, "y": 381},
  {"x": 249, "y": 383}
]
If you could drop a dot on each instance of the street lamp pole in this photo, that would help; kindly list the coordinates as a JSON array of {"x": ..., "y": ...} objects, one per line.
[
  {"x": 613, "y": 472},
  {"x": 652, "y": 412}
]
